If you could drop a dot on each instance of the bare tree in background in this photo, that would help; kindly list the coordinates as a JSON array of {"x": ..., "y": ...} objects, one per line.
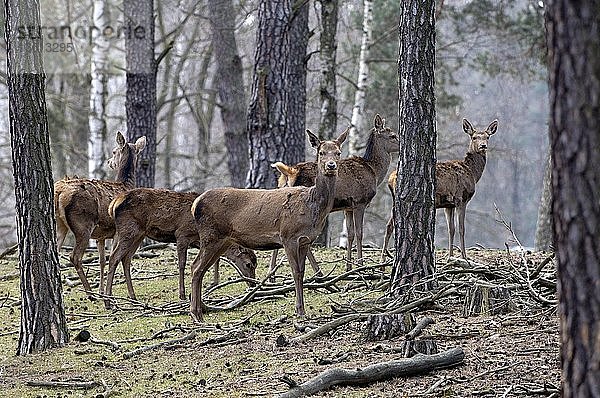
[
  {"x": 573, "y": 38},
  {"x": 327, "y": 83},
  {"x": 99, "y": 90},
  {"x": 43, "y": 322},
  {"x": 414, "y": 210},
  {"x": 271, "y": 138},
  {"x": 230, "y": 84},
  {"x": 140, "y": 99},
  {"x": 356, "y": 126},
  {"x": 543, "y": 228}
]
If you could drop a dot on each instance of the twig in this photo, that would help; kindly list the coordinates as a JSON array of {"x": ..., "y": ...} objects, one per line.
[
  {"x": 190, "y": 336},
  {"x": 86, "y": 385}
]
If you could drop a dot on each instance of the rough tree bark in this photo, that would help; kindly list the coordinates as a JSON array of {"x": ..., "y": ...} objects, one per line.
[
  {"x": 355, "y": 139},
  {"x": 140, "y": 99},
  {"x": 573, "y": 37},
  {"x": 99, "y": 91},
  {"x": 414, "y": 211},
  {"x": 271, "y": 138},
  {"x": 230, "y": 84},
  {"x": 327, "y": 83},
  {"x": 43, "y": 322},
  {"x": 543, "y": 228}
]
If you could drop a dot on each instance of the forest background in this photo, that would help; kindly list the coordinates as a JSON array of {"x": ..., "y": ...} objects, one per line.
[{"x": 489, "y": 65}]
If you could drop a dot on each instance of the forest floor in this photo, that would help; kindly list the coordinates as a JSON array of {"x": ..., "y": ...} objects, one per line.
[{"x": 236, "y": 352}]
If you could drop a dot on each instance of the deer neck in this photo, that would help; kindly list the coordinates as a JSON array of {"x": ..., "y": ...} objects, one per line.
[
  {"x": 475, "y": 161},
  {"x": 323, "y": 193},
  {"x": 126, "y": 172},
  {"x": 379, "y": 160}
]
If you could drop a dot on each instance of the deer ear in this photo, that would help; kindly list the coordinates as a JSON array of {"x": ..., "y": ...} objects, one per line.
[
  {"x": 340, "y": 140},
  {"x": 468, "y": 127},
  {"x": 140, "y": 144},
  {"x": 314, "y": 140},
  {"x": 491, "y": 129},
  {"x": 120, "y": 139},
  {"x": 378, "y": 122}
]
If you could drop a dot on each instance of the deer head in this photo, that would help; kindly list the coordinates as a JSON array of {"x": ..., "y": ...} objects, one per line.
[
  {"x": 328, "y": 152},
  {"x": 479, "y": 139},
  {"x": 125, "y": 153}
]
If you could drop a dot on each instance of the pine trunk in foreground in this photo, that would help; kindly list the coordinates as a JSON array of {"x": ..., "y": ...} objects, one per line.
[
  {"x": 414, "y": 210},
  {"x": 574, "y": 85},
  {"x": 43, "y": 322}
]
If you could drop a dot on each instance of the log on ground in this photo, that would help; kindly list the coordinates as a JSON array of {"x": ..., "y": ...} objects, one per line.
[{"x": 381, "y": 371}]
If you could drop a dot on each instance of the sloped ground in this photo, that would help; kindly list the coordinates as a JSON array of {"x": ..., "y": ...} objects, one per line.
[{"x": 235, "y": 354}]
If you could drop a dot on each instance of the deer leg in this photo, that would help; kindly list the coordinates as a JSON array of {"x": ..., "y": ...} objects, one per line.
[
  {"x": 388, "y": 234},
  {"x": 296, "y": 255},
  {"x": 273, "y": 264},
  {"x": 181, "y": 260},
  {"x": 124, "y": 247},
  {"x": 216, "y": 271},
  {"x": 207, "y": 256},
  {"x": 358, "y": 215},
  {"x": 313, "y": 263},
  {"x": 449, "y": 212},
  {"x": 350, "y": 228},
  {"x": 61, "y": 233},
  {"x": 81, "y": 241},
  {"x": 101, "y": 244},
  {"x": 461, "y": 228}
]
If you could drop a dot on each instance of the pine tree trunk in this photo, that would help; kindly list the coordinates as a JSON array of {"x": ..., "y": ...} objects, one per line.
[
  {"x": 414, "y": 211},
  {"x": 573, "y": 34},
  {"x": 543, "y": 228},
  {"x": 43, "y": 322},
  {"x": 271, "y": 138},
  {"x": 356, "y": 135},
  {"x": 98, "y": 91},
  {"x": 230, "y": 84},
  {"x": 327, "y": 83},
  {"x": 140, "y": 99}
]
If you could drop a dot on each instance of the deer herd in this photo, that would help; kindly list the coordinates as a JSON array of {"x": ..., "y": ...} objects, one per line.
[{"x": 233, "y": 222}]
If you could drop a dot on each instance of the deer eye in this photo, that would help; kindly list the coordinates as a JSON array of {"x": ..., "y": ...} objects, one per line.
[
  {"x": 338, "y": 153},
  {"x": 321, "y": 153}
]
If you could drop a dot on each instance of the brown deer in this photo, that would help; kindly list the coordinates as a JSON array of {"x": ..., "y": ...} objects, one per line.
[
  {"x": 164, "y": 216},
  {"x": 81, "y": 205},
  {"x": 261, "y": 219},
  {"x": 357, "y": 182},
  {"x": 455, "y": 184}
]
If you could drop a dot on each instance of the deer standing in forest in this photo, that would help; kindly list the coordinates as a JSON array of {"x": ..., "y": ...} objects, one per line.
[
  {"x": 358, "y": 179},
  {"x": 81, "y": 205},
  {"x": 261, "y": 219},
  {"x": 455, "y": 184},
  {"x": 164, "y": 216}
]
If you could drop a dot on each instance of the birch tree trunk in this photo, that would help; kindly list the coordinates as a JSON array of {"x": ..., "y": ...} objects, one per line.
[
  {"x": 140, "y": 98},
  {"x": 543, "y": 228},
  {"x": 573, "y": 37},
  {"x": 230, "y": 84},
  {"x": 414, "y": 205},
  {"x": 43, "y": 322},
  {"x": 357, "y": 123},
  {"x": 270, "y": 136},
  {"x": 98, "y": 92}
]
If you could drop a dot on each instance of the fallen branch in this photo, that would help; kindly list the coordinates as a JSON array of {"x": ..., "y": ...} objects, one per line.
[
  {"x": 418, "y": 364},
  {"x": 420, "y": 326},
  {"x": 190, "y": 336},
  {"x": 9, "y": 250},
  {"x": 86, "y": 385}
]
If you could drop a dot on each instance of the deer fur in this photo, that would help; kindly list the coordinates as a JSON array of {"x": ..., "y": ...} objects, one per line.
[
  {"x": 357, "y": 181},
  {"x": 455, "y": 184},
  {"x": 81, "y": 205},
  {"x": 261, "y": 219},
  {"x": 164, "y": 216}
]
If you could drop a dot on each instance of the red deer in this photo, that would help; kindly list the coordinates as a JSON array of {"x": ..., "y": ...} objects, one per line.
[
  {"x": 81, "y": 205},
  {"x": 263, "y": 219},
  {"x": 455, "y": 184},
  {"x": 164, "y": 216},
  {"x": 357, "y": 182}
]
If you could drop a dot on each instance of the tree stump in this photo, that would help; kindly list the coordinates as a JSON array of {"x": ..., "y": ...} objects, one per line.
[
  {"x": 387, "y": 326},
  {"x": 410, "y": 348},
  {"x": 486, "y": 300}
]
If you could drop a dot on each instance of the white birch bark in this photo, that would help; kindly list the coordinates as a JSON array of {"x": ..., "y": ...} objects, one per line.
[
  {"x": 98, "y": 95},
  {"x": 357, "y": 127}
]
